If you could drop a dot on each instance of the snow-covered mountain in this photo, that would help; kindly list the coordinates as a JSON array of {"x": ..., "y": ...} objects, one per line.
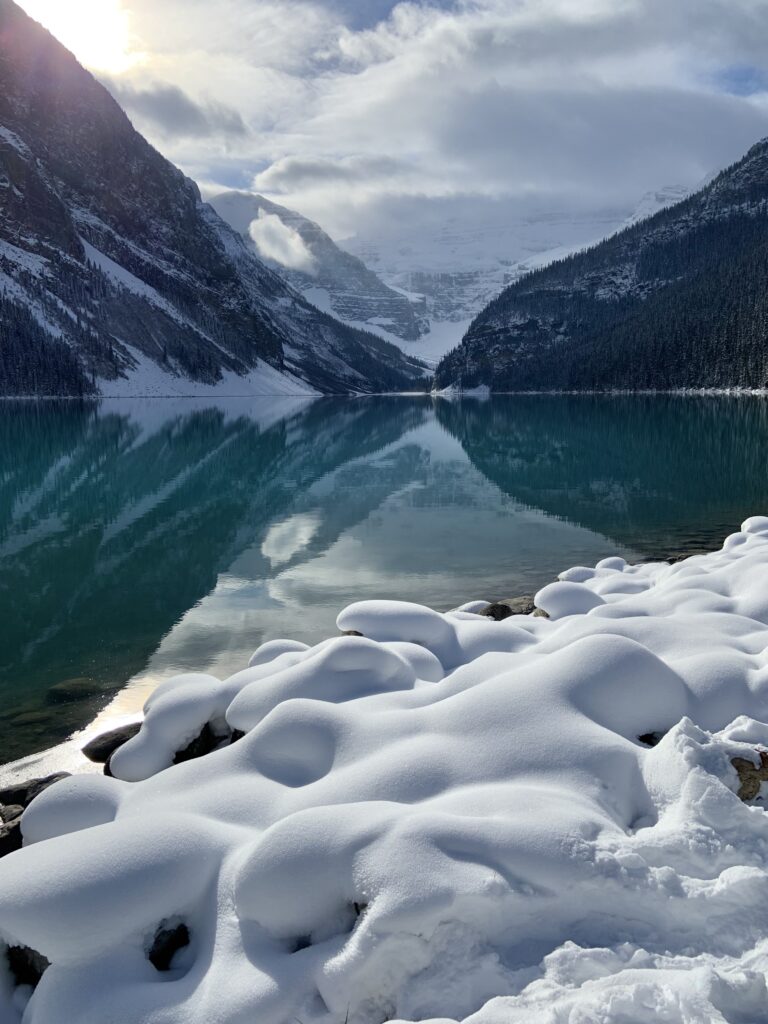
[
  {"x": 657, "y": 200},
  {"x": 677, "y": 300},
  {"x": 460, "y": 265},
  {"x": 116, "y": 277},
  {"x": 300, "y": 251}
]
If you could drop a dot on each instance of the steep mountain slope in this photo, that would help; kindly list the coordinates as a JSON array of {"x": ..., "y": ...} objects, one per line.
[
  {"x": 326, "y": 274},
  {"x": 678, "y": 300},
  {"x": 112, "y": 266}
]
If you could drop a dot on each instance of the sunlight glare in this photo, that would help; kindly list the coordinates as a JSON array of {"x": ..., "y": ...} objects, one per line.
[{"x": 96, "y": 31}]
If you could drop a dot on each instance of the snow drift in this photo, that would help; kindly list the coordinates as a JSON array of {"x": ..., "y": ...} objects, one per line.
[{"x": 446, "y": 817}]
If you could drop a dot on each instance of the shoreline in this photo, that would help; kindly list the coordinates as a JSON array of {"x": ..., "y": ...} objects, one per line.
[
  {"x": 423, "y": 791},
  {"x": 481, "y": 392},
  {"x": 66, "y": 756}
]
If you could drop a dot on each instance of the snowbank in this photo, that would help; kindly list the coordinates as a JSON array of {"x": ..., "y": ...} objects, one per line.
[{"x": 448, "y": 817}]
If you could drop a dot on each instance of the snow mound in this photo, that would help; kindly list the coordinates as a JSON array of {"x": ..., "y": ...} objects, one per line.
[{"x": 444, "y": 818}]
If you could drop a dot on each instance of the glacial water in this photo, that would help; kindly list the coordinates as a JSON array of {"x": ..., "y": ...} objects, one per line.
[{"x": 142, "y": 538}]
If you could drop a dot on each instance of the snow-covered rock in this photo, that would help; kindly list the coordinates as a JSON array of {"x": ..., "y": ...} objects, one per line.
[{"x": 447, "y": 818}]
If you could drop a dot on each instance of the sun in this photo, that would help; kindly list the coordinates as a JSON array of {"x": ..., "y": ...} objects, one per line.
[{"x": 96, "y": 31}]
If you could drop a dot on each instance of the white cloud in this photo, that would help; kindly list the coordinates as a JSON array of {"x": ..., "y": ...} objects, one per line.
[
  {"x": 354, "y": 109},
  {"x": 281, "y": 243}
]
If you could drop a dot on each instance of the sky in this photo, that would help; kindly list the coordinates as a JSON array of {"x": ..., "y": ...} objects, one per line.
[{"x": 360, "y": 112}]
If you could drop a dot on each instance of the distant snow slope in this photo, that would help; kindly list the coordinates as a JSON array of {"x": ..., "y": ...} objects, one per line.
[
  {"x": 460, "y": 265},
  {"x": 446, "y": 817}
]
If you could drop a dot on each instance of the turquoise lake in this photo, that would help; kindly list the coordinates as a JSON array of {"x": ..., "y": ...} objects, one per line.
[{"x": 141, "y": 538}]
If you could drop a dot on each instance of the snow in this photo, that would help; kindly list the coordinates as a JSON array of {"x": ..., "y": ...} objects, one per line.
[
  {"x": 13, "y": 140},
  {"x": 442, "y": 336},
  {"x": 22, "y": 259},
  {"x": 148, "y": 379},
  {"x": 447, "y": 818}
]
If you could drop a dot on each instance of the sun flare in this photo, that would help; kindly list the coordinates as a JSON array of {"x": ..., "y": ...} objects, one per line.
[{"x": 96, "y": 31}]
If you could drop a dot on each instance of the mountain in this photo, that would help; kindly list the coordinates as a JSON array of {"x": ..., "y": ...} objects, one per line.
[
  {"x": 675, "y": 301},
  {"x": 459, "y": 259},
  {"x": 116, "y": 277},
  {"x": 657, "y": 200},
  {"x": 301, "y": 252}
]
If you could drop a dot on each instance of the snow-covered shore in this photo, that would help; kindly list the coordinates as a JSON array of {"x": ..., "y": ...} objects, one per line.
[{"x": 534, "y": 820}]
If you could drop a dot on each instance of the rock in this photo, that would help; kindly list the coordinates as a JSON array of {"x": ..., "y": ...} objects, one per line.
[
  {"x": 166, "y": 943},
  {"x": 202, "y": 744},
  {"x": 650, "y": 739},
  {"x": 497, "y": 611},
  {"x": 520, "y": 605},
  {"x": 751, "y": 775},
  {"x": 26, "y": 965},
  {"x": 79, "y": 688},
  {"x": 9, "y": 812},
  {"x": 25, "y": 792},
  {"x": 32, "y": 718},
  {"x": 500, "y": 610},
  {"x": 100, "y": 749},
  {"x": 10, "y": 837},
  {"x": 350, "y": 632}
]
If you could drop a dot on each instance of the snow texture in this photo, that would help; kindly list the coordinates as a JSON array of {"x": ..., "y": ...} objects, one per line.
[{"x": 446, "y": 818}]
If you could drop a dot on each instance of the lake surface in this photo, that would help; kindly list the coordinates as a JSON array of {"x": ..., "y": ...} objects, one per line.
[{"x": 141, "y": 538}]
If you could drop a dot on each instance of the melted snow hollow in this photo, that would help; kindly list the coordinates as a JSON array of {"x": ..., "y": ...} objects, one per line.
[{"x": 447, "y": 817}]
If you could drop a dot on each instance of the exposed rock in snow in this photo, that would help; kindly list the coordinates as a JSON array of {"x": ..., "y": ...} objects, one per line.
[{"x": 448, "y": 817}]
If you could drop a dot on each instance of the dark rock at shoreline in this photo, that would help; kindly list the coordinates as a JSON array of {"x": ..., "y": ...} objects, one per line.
[
  {"x": 9, "y": 812},
  {"x": 204, "y": 743},
  {"x": 497, "y": 611},
  {"x": 26, "y": 792},
  {"x": 100, "y": 749},
  {"x": 500, "y": 610}
]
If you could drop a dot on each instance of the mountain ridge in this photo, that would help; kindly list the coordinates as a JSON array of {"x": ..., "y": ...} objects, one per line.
[
  {"x": 110, "y": 262},
  {"x": 353, "y": 291},
  {"x": 677, "y": 300}
]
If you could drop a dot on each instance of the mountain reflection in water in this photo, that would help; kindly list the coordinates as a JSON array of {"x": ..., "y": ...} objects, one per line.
[{"x": 142, "y": 538}]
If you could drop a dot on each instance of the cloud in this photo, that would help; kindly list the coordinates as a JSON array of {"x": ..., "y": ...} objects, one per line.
[
  {"x": 296, "y": 172},
  {"x": 171, "y": 111},
  {"x": 358, "y": 109},
  {"x": 280, "y": 243}
]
